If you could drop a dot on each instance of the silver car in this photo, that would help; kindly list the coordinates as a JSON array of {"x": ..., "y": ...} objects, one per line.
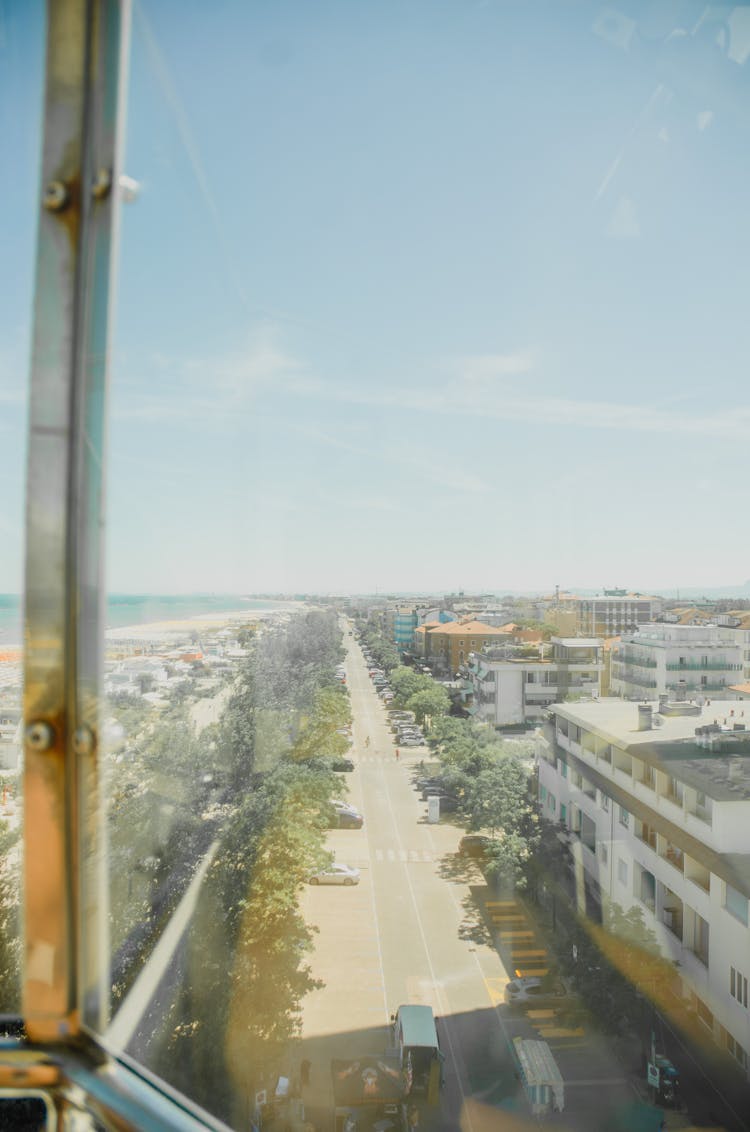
[{"x": 335, "y": 874}]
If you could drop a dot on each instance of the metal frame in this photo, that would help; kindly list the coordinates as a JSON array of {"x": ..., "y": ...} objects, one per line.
[
  {"x": 61, "y": 1058},
  {"x": 65, "y": 959}
]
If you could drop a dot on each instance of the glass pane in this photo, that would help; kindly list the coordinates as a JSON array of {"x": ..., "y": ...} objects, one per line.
[
  {"x": 21, "y": 79},
  {"x": 426, "y": 312}
]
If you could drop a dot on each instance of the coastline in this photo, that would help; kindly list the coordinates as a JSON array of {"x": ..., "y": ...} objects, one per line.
[
  {"x": 207, "y": 622},
  {"x": 11, "y": 652}
]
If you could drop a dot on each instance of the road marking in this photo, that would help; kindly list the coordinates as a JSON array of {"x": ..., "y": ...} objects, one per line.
[
  {"x": 378, "y": 854},
  {"x": 496, "y": 989},
  {"x": 403, "y": 855},
  {"x": 391, "y": 855},
  {"x": 446, "y": 1028}
]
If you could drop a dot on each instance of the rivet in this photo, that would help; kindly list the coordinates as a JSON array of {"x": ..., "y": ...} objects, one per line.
[
  {"x": 101, "y": 184},
  {"x": 40, "y": 736},
  {"x": 55, "y": 196},
  {"x": 83, "y": 740}
]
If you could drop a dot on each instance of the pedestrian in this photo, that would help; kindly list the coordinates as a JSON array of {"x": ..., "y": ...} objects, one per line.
[
  {"x": 398, "y": 754},
  {"x": 304, "y": 1072},
  {"x": 367, "y": 741}
]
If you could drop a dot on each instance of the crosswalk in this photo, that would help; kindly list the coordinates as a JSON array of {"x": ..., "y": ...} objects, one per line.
[{"x": 402, "y": 856}]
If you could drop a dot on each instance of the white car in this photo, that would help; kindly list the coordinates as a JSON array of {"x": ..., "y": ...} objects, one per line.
[{"x": 335, "y": 874}]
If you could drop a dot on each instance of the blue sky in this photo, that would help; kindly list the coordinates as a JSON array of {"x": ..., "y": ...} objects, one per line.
[{"x": 426, "y": 295}]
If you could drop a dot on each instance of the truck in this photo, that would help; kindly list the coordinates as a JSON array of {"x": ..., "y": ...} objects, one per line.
[{"x": 417, "y": 1046}]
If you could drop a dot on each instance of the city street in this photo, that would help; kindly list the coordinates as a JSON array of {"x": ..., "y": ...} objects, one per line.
[{"x": 414, "y": 931}]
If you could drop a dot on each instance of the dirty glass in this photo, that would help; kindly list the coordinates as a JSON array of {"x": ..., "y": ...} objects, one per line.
[
  {"x": 21, "y": 77},
  {"x": 431, "y": 324}
]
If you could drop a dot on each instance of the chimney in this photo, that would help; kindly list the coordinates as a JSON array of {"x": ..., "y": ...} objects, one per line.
[{"x": 645, "y": 717}]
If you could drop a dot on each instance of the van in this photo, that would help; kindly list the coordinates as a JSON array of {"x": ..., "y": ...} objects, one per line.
[{"x": 415, "y": 1038}]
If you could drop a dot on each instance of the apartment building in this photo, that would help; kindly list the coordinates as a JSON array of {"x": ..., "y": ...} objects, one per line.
[
  {"x": 401, "y": 620},
  {"x": 656, "y": 802},
  {"x": 613, "y": 612},
  {"x": 676, "y": 660},
  {"x": 505, "y": 690},
  {"x": 447, "y": 646}
]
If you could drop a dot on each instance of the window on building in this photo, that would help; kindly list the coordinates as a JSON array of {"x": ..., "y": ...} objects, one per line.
[
  {"x": 563, "y": 812},
  {"x": 738, "y": 986},
  {"x": 603, "y": 853},
  {"x": 736, "y": 903},
  {"x": 551, "y": 803},
  {"x": 604, "y": 799},
  {"x": 736, "y": 1050},
  {"x": 624, "y": 816},
  {"x": 622, "y": 871},
  {"x": 542, "y": 793}
]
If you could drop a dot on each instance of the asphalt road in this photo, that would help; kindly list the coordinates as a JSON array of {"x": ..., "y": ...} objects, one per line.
[{"x": 407, "y": 934}]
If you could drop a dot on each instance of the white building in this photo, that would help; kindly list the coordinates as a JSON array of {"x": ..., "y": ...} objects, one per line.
[
  {"x": 676, "y": 660},
  {"x": 659, "y": 819},
  {"x": 613, "y": 612},
  {"x": 507, "y": 690}
]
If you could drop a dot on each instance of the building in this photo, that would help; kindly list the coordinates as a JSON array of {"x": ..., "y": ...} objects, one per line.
[
  {"x": 655, "y": 799},
  {"x": 447, "y": 646},
  {"x": 400, "y": 621},
  {"x": 505, "y": 689},
  {"x": 676, "y": 660},
  {"x": 613, "y": 612}
]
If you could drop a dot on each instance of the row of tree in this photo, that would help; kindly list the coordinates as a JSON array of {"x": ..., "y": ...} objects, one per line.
[{"x": 245, "y": 969}]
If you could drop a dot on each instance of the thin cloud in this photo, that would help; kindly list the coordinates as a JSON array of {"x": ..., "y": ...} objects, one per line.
[
  {"x": 730, "y": 423},
  {"x": 485, "y": 368},
  {"x": 429, "y": 470}
]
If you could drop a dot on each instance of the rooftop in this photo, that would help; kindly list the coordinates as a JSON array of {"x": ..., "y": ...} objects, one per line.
[
  {"x": 578, "y": 642},
  {"x": 722, "y": 774},
  {"x": 466, "y": 628}
]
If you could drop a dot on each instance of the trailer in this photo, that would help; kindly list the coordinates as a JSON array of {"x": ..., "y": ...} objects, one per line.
[
  {"x": 370, "y": 1094},
  {"x": 540, "y": 1076}
]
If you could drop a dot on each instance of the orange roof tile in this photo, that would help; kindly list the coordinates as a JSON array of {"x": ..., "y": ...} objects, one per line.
[{"x": 466, "y": 628}]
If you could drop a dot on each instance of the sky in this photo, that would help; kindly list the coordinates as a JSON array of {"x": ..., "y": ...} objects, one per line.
[{"x": 416, "y": 295}]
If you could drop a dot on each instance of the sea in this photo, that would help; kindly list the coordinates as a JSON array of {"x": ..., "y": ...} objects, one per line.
[{"x": 139, "y": 609}]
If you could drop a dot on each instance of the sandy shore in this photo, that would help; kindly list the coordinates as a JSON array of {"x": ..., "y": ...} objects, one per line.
[
  {"x": 11, "y": 652},
  {"x": 202, "y": 622}
]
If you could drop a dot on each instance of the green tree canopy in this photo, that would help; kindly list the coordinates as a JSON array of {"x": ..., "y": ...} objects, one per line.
[{"x": 431, "y": 702}]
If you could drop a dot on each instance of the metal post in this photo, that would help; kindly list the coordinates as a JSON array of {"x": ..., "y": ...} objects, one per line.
[{"x": 65, "y": 954}]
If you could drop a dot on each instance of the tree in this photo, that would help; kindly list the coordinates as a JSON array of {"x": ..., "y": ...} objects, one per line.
[
  {"x": 431, "y": 702},
  {"x": 319, "y": 735},
  {"x": 10, "y": 926},
  {"x": 405, "y": 683}
]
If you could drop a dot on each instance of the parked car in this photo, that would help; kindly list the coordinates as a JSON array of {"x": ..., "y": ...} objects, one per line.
[
  {"x": 433, "y": 790},
  {"x": 346, "y": 819},
  {"x": 474, "y": 845},
  {"x": 335, "y": 874},
  {"x": 448, "y": 802},
  {"x": 342, "y": 764},
  {"x": 423, "y": 783},
  {"x": 535, "y": 990}
]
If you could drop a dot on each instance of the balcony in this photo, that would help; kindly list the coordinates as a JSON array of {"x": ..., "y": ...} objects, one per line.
[
  {"x": 637, "y": 661},
  {"x": 709, "y": 666},
  {"x": 674, "y": 855},
  {"x": 692, "y": 686},
  {"x": 634, "y": 678}
]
